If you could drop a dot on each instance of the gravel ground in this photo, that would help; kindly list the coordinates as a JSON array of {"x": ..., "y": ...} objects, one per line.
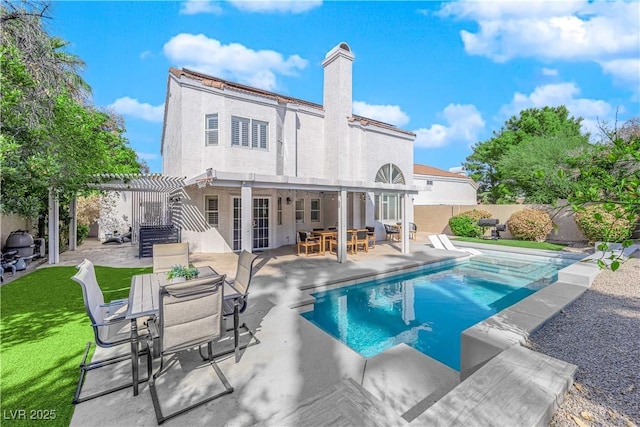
[{"x": 600, "y": 333}]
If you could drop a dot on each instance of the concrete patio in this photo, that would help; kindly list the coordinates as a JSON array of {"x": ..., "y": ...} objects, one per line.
[{"x": 295, "y": 362}]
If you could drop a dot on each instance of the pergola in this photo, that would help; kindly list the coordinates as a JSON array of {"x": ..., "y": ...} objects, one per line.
[{"x": 105, "y": 182}]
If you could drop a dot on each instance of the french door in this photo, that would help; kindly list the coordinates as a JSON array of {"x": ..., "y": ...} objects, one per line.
[{"x": 260, "y": 222}]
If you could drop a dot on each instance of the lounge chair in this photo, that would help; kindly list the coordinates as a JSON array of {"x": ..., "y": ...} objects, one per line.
[
  {"x": 167, "y": 255},
  {"x": 190, "y": 316},
  {"x": 435, "y": 242},
  {"x": 448, "y": 245},
  {"x": 110, "y": 328}
]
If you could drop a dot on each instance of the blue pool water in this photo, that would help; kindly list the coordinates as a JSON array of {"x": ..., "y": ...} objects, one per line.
[{"x": 429, "y": 309}]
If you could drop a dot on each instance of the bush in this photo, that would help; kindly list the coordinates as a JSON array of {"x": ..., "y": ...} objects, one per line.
[
  {"x": 82, "y": 233},
  {"x": 466, "y": 223},
  {"x": 605, "y": 223},
  {"x": 530, "y": 224}
]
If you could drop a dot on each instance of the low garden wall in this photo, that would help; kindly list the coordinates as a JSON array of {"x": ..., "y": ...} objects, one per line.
[{"x": 435, "y": 219}]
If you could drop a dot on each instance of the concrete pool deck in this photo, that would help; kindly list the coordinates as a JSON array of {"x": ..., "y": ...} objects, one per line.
[{"x": 295, "y": 361}]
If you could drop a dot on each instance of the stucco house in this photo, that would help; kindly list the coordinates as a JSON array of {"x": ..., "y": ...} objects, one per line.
[
  {"x": 441, "y": 187},
  {"x": 259, "y": 166}
]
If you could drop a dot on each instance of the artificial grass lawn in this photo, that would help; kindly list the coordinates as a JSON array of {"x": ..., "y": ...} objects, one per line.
[
  {"x": 43, "y": 331},
  {"x": 516, "y": 243}
]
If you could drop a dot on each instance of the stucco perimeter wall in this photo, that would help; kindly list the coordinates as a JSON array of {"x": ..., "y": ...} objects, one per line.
[{"x": 435, "y": 219}]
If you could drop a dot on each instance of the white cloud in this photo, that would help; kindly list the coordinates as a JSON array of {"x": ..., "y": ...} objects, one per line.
[
  {"x": 549, "y": 71},
  {"x": 554, "y": 95},
  {"x": 276, "y": 6},
  {"x": 233, "y": 61},
  {"x": 194, "y": 7},
  {"x": 463, "y": 124},
  {"x": 624, "y": 71},
  {"x": 391, "y": 114},
  {"x": 146, "y": 54},
  {"x": 134, "y": 108},
  {"x": 601, "y": 32}
]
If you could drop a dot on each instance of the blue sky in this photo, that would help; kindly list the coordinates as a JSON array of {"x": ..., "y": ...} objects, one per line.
[{"x": 451, "y": 72}]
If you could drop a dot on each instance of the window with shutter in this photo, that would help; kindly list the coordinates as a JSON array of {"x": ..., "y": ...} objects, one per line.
[
  {"x": 239, "y": 131},
  {"x": 211, "y": 210},
  {"x": 211, "y": 129},
  {"x": 259, "y": 135}
]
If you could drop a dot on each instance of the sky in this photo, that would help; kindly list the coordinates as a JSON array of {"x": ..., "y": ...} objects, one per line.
[{"x": 452, "y": 72}]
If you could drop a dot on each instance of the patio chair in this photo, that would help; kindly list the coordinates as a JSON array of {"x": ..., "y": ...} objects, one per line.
[
  {"x": 413, "y": 229},
  {"x": 166, "y": 255},
  {"x": 110, "y": 328},
  {"x": 351, "y": 243},
  {"x": 190, "y": 316},
  {"x": 307, "y": 242},
  {"x": 448, "y": 245},
  {"x": 361, "y": 240},
  {"x": 237, "y": 306},
  {"x": 371, "y": 235},
  {"x": 392, "y": 232}
]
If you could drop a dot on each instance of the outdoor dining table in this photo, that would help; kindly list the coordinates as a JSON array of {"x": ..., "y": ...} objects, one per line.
[
  {"x": 144, "y": 301},
  {"x": 324, "y": 236}
]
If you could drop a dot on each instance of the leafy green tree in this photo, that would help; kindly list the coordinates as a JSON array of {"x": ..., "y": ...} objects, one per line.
[
  {"x": 609, "y": 176},
  {"x": 50, "y": 136},
  {"x": 531, "y": 169},
  {"x": 484, "y": 163}
]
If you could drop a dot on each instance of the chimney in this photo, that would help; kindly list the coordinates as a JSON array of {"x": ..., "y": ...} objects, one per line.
[
  {"x": 338, "y": 107},
  {"x": 338, "y": 64}
]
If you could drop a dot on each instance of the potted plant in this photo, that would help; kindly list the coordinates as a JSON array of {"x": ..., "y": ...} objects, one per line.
[{"x": 180, "y": 273}]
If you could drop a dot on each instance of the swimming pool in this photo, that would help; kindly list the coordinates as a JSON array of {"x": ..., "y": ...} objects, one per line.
[{"x": 430, "y": 308}]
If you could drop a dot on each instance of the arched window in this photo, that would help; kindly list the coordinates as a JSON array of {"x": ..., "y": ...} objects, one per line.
[
  {"x": 390, "y": 174},
  {"x": 387, "y": 205}
]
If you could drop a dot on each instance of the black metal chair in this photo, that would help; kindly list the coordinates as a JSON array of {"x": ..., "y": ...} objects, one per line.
[
  {"x": 110, "y": 328},
  {"x": 190, "y": 316}
]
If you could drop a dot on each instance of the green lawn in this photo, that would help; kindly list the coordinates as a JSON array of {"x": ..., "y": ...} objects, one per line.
[
  {"x": 43, "y": 330},
  {"x": 515, "y": 243}
]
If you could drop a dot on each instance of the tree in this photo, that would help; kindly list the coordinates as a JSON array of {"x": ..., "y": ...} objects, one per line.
[
  {"x": 609, "y": 176},
  {"x": 530, "y": 170},
  {"x": 484, "y": 162},
  {"x": 50, "y": 137}
]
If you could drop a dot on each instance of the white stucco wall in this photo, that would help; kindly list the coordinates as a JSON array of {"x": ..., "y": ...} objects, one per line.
[{"x": 445, "y": 191}]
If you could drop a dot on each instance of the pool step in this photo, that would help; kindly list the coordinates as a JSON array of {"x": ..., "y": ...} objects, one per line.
[
  {"x": 539, "y": 272},
  {"x": 402, "y": 377},
  {"x": 519, "y": 387}
]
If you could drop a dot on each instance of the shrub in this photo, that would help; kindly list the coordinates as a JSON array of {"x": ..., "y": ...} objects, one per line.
[
  {"x": 466, "y": 223},
  {"x": 530, "y": 224},
  {"x": 605, "y": 223},
  {"x": 82, "y": 233}
]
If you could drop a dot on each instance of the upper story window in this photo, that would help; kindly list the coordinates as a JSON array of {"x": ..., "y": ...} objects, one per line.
[
  {"x": 244, "y": 130},
  {"x": 211, "y": 129},
  {"x": 259, "y": 134},
  {"x": 239, "y": 131},
  {"x": 390, "y": 174}
]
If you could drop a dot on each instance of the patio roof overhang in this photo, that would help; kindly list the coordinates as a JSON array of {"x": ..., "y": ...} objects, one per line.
[
  {"x": 236, "y": 179},
  {"x": 138, "y": 182}
]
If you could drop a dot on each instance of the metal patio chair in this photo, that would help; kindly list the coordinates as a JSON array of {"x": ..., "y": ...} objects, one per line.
[
  {"x": 110, "y": 328},
  {"x": 190, "y": 316}
]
